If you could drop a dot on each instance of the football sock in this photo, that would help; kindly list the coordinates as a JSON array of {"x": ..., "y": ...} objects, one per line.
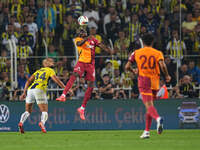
[
  {"x": 87, "y": 96},
  {"x": 44, "y": 117},
  {"x": 153, "y": 112},
  {"x": 24, "y": 116},
  {"x": 148, "y": 122},
  {"x": 69, "y": 84}
]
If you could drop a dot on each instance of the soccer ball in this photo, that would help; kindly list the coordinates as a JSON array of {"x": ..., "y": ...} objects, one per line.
[{"x": 83, "y": 20}]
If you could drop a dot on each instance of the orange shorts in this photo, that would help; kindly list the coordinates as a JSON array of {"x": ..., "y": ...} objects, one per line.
[
  {"x": 148, "y": 94},
  {"x": 145, "y": 88}
]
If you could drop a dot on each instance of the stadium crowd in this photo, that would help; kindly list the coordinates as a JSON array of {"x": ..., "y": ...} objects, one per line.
[{"x": 118, "y": 23}]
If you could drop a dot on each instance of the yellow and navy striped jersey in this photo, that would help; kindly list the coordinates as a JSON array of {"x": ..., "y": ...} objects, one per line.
[{"x": 41, "y": 78}]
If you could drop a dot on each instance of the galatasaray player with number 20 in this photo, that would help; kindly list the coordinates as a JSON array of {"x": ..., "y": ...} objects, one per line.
[{"x": 148, "y": 61}]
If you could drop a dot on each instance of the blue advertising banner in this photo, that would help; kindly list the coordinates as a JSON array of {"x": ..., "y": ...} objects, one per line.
[{"x": 100, "y": 114}]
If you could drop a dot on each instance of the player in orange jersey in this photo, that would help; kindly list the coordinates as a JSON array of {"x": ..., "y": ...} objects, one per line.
[
  {"x": 86, "y": 64},
  {"x": 148, "y": 62}
]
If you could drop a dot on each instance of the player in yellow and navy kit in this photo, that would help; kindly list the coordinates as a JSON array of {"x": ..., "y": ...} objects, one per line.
[{"x": 37, "y": 92}]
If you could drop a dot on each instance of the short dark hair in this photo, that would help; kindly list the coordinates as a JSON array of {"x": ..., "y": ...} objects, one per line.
[{"x": 148, "y": 39}]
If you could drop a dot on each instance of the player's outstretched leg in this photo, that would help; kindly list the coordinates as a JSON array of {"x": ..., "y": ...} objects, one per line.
[
  {"x": 44, "y": 118},
  {"x": 24, "y": 116},
  {"x": 81, "y": 110},
  {"x": 62, "y": 98}
]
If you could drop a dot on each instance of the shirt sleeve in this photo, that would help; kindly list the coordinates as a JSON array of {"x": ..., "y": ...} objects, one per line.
[
  {"x": 51, "y": 72},
  {"x": 160, "y": 56},
  {"x": 35, "y": 73},
  {"x": 132, "y": 57}
]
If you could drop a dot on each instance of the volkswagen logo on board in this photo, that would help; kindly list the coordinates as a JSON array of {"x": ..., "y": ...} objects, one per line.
[{"x": 4, "y": 113}]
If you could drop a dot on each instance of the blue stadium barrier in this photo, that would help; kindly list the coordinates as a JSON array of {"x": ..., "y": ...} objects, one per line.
[{"x": 100, "y": 114}]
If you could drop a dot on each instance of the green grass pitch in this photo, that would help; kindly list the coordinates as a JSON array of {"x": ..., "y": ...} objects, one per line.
[{"x": 101, "y": 140}]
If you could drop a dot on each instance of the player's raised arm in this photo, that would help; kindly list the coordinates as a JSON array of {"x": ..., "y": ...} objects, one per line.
[
  {"x": 57, "y": 80},
  {"x": 107, "y": 49},
  {"x": 28, "y": 82},
  {"x": 164, "y": 70}
]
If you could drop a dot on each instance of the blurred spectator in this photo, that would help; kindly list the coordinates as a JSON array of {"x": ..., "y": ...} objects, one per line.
[
  {"x": 133, "y": 28},
  {"x": 52, "y": 52},
  {"x": 25, "y": 62},
  {"x": 196, "y": 50},
  {"x": 194, "y": 72},
  {"x": 120, "y": 6},
  {"x": 107, "y": 18},
  {"x": 121, "y": 46},
  {"x": 59, "y": 67},
  {"x": 28, "y": 36},
  {"x": 196, "y": 16},
  {"x": 23, "y": 49},
  {"x": 70, "y": 25},
  {"x": 33, "y": 9},
  {"x": 116, "y": 79},
  {"x": 80, "y": 89},
  {"x": 176, "y": 48},
  {"x": 59, "y": 12},
  {"x": 66, "y": 63},
  {"x": 151, "y": 23},
  {"x": 117, "y": 83},
  {"x": 24, "y": 14},
  {"x": 5, "y": 17},
  {"x": 106, "y": 88},
  {"x": 171, "y": 67},
  {"x": 165, "y": 33},
  {"x": 186, "y": 89},
  {"x": 107, "y": 69},
  {"x": 112, "y": 27},
  {"x": 163, "y": 92},
  {"x": 13, "y": 21},
  {"x": 32, "y": 28},
  {"x": 22, "y": 77},
  {"x": 75, "y": 8},
  {"x": 64, "y": 76},
  {"x": 154, "y": 6},
  {"x": 1, "y": 16},
  {"x": 9, "y": 34},
  {"x": 3, "y": 59},
  {"x": 133, "y": 6},
  {"x": 46, "y": 19},
  {"x": 188, "y": 28},
  {"x": 92, "y": 15},
  {"x": 16, "y": 9},
  {"x": 183, "y": 70},
  {"x": 188, "y": 25},
  {"x": 4, "y": 86}
]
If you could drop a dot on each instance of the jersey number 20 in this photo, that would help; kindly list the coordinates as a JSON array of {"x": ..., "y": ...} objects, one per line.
[{"x": 148, "y": 62}]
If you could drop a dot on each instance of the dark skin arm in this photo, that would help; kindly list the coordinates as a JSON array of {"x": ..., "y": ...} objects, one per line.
[
  {"x": 107, "y": 49},
  {"x": 101, "y": 45},
  {"x": 28, "y": 82}
]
